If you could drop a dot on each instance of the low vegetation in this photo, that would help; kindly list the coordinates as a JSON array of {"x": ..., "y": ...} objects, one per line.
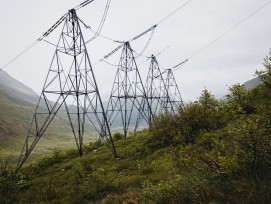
[{"x": 210, "y": 151}]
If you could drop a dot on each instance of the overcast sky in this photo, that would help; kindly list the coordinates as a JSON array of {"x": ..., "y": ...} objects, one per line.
[{"x": 232, "y": 59}]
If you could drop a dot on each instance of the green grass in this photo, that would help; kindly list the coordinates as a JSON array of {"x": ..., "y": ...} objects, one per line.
[
  {"x": 209, "y": 152},
  {"x": 48, "y": 143},
  {"x": 139, "y": 175},
  {"x": 15, "y": 117}
]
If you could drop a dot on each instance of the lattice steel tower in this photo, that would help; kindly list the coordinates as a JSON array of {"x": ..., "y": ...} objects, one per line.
[
  {"x": 70, "y": 86},
  {"x": 128, "y": 93},
  {"x": 174, "y": 99},
  {"x": 156, "y": 93}
]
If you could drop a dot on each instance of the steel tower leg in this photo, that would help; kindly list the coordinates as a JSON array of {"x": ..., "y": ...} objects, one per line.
[
  {"x": 156, "y": 93},
  {"x": 174, "y": 99},
  {"x": 70, "y": 87},
  {"x": 128, "y": 93}
]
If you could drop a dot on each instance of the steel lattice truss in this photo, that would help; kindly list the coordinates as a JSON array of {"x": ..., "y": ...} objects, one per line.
[
  {"x": 72, "y": 86},
  {"x": 174, "y": 99},
  {"x": 128, "y": 92},
  {"x": 156, "y": 93}
]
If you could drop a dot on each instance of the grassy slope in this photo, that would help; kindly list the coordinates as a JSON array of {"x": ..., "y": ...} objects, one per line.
[
  {"x": 15, "y": 115},
  {"x": 98, "y": 176},
  {"x": 138, "y": 176},
  {"x": 172, "y": 174}
]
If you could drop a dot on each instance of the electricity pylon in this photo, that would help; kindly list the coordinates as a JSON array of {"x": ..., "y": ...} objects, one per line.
[
  {"x": 156, "y": 93},
  {"x": 128, "y": 93},
  {"x": 174, "y": 99},
  {"x": 70, "y": 86}
]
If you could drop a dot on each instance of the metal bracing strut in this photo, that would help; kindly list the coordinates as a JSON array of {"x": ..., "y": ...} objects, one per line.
[
  {"x": 70, "y": 87},
  {"x": 174, "y": 99},
  {"x": 156, "y": 93},
  {"x": 128, "y": 93}
]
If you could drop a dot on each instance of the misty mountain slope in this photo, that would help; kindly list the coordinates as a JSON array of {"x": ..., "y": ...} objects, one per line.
[
  {"x": 16, "y": 91},
  {"x": 251, "y": 84},
  {"x": 17, "y": 106}
]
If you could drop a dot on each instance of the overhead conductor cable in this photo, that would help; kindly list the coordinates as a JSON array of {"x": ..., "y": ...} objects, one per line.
[
  {"x": 229, "y": 30},
  {"x": 50, "y": 30}
]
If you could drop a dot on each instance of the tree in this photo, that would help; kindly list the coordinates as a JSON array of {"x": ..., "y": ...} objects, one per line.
[
  {"x": 185, "y": 126},
  {"x": 265, "y": 74},
  {"x": 239, "y": 100},
  {"x": 207, "y": 99},
  {"x": 253, "y": 136}
]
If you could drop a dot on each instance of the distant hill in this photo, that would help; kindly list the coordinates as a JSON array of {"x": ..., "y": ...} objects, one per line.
[
  {"x": 16, "y": 89},
  {"x": 252, "y": 83},
  {"x": 17, "y": 103},
  {"x": 17, "y": 106}
]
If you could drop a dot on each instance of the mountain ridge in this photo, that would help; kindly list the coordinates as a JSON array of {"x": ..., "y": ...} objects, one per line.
[
  {"x": 11, "y": 87},
  {"x": 252, "y": 83},
  {"x": 17, "y": 106}
]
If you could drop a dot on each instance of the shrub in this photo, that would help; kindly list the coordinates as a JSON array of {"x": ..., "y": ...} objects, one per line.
[
  {"x": 118, "y": 136},
  {"x": 163, "y": 132},
  {"x": 56, "y": 157},
  {"x": 192, "y": 188},
  {"x": 254, "y": 141}
]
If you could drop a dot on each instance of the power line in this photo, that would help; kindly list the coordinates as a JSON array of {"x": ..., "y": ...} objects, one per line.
[
  {"x": 47, "y": 33},
  {"x": 195, "y": 26},
  {"x": 83, "y": 4},
  {"x": 218, "y": 38},
  {"x": 113, "y": 65},
  {"x": 19, "y": 55},
  {"x": 112, "y": 52},
  {"x": 140, "y": 35},
  {"x": 133, "y": 39},
  {"x": 188, "y": 31},
  {"x": 138, "y": 54},
  {"x": 50, "y": 43},
  {"x": 229, "y": 30},
  {"x": 147, "y": 43},
  {"x": 51, "y": 29},
  {"x": 176, "y": 10},
  {"x": 176, "y": 67},
  {"x": 95, "y": 31},
  {"x": 143, "y": 33},
  {"x": 161, "y": 21},
  {"x": 98, "y": 32},
  {"x": 101, "y": 23}
]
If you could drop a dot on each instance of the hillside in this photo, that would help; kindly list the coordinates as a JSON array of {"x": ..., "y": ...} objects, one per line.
[
  {"x": 211, "y": 151},
  {"x": 250, "y": 84},
  {"x": 17, "y": 106},
  {"x": 16, "y": 89},
  {"x": 17, "y": 103}
]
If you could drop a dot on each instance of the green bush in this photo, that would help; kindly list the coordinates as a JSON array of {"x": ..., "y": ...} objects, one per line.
[
  {"x": 56, "y": 157},
  {"x": 191, "y": 188},
  {"x": 253, "y": 135},
  {"x": 118, "y": 136}
]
